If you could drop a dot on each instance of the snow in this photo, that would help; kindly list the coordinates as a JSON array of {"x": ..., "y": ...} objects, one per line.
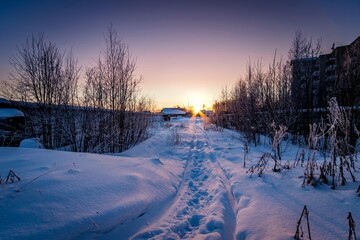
[
  {"x": 196, "y": 188},
  {"x": 172, "y": 111},
  {"x": 3, "y": 100},
  {"x": 31, "y": 143},
  {"x": 10, "y": 112}
]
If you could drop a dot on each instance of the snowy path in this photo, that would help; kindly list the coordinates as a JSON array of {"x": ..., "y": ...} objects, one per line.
[
  {"x": 196, "y": 188},
  {"x": 204, "y": 204}
]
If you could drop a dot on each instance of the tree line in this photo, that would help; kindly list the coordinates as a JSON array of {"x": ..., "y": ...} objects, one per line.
[
  {"x": 104, "y": 113},
  {"x": 268, "y": 95},
  {"x": 321, "y": 120}
]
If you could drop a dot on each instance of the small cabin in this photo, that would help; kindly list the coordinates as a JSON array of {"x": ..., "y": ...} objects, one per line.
[
  {"x": 168, "y": 113},
  {"x": 12, "y": 124}
]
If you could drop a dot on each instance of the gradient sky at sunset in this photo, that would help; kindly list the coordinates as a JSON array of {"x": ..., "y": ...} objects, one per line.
[{"x": 186, "y": 51}]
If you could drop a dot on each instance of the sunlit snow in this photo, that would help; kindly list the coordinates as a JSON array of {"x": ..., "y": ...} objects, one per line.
[{"x": 196, "y": 188}]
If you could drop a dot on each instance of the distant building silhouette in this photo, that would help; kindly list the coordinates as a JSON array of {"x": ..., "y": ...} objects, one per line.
[{"x": 317, "y": 79}]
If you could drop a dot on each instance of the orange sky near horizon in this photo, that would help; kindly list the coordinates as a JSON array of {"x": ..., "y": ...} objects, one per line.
[{"x": 186, "y": 51}]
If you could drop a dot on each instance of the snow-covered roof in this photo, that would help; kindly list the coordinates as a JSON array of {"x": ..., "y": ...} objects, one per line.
[
  {"x": 172, "y": 111},
  {"x": 3, "y": 100},
  {"x": 10, "y": 112}
]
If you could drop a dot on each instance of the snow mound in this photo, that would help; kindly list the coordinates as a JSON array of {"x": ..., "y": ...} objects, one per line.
[
  {"x": 10, "y": 112},
  {"x": 31, "y": 143}
]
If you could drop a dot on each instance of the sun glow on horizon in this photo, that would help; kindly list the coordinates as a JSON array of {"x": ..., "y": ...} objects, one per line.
[
  {"x": 196, "y": 104},
  {"x": 197, "y": 108}
]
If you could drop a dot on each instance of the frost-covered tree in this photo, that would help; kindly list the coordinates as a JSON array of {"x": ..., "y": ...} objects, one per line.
[
  {"x": 111, "y": 95},
  {"x": 46, "y": 77},
  {"x": 258, "y": 99},
  {"x": 341, "y": 149}
]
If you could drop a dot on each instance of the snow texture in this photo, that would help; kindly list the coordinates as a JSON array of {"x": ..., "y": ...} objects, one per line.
[
  {"x": 196, "y": 189},
  {"x": 10, "y": 112},
  {"x": 172, "y": 111},
  {"x": 31, "y": 143},
  {"x": 3, "y": 100}
]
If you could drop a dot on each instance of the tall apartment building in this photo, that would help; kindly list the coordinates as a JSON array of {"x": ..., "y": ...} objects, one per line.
[{"x": 317, "y": 79}]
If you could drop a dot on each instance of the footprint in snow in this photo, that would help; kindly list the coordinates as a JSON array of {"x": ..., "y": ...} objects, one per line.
[{"x": 156, "y": 161}]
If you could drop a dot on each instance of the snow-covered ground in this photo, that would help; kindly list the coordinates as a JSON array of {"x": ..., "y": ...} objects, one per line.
[{"x": 184, "y": 182}]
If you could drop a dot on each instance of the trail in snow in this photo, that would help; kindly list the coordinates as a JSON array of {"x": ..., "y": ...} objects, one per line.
[
  {"x": 195, "y": 189},
  {"x": 204, "y": 204}
]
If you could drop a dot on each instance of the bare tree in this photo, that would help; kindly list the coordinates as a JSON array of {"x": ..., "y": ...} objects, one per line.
[
  {"x": 43, "y": 75},
  {"x": 339, "y": 132},
  {"x": 112, "y": 94},
  {"x": 302, "y": 47}
]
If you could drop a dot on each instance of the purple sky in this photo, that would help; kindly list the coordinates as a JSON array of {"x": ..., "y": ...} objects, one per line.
[{"x": 186, "y": 51}]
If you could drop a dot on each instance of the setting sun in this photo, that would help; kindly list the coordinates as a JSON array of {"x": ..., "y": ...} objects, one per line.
[
  {"x": 197, "y": 108},
  {"x": 197, "y": 100},
  {"x": 196, "y": 104}
]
